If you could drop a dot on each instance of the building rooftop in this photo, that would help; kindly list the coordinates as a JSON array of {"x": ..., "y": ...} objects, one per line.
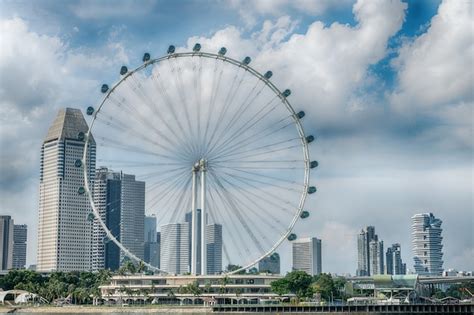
[{"x": 67, "y": 125}]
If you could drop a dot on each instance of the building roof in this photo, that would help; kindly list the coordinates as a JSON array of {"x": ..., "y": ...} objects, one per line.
[{"x": 67, "y": 125}]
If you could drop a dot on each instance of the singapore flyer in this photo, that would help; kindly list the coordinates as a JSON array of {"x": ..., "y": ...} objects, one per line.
[{"x": 216, "y": 143}]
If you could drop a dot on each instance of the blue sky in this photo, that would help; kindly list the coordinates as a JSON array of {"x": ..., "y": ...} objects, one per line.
[{"x": 387, "y": 87}]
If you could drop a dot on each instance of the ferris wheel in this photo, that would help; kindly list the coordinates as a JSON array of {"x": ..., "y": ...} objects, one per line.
[{"x": 209, "y": 135}]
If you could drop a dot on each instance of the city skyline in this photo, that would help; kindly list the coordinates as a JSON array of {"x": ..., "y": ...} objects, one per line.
[{"x": 409, "y": 140}]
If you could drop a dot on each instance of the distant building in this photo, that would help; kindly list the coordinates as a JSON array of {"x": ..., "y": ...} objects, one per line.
[
  {"x": 20, "y": 235},
  {"x": 270, "y": 264},
  {"x": 65, "y": 227},
  {"x": 152, "y": 247},
  {"x": 120, "y": 201},
  {"x": 150, "y": 229},
  {"x": 427, "y": 244},
  {"x": 214, "y": 248},
  {"x": 393, "y": 261},
  {"x": 174, "y": 248},
  {"x": 370, "y": 255},
  {"x": 307, "y": 255},
  {"x": 6, "y": 242}
]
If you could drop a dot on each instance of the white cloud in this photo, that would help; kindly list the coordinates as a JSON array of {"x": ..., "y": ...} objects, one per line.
[{"x": 88, "y": 9}]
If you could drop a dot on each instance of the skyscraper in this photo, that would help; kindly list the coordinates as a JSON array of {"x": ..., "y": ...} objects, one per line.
[
  {"x": 370, "y": 255},
  {"x": 214, "y": 248},
  {"x": 20, "y": 234},
  {"x": 427, "y": 244},
  {"x": 6, "y": 242},
  {"x": 120, "y": 201},
  {"x": 270, "y": 264},
  {"x": 174, "y": 248},
  {"x": 152, "y": 248},
  {"x": 307, "y": 255},
  {"x": 65, "y": 229},
  {"x": 393, "y": 261}
]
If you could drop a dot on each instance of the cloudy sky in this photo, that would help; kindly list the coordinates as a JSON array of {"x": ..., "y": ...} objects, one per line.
[{"x": 387, "y": 87}]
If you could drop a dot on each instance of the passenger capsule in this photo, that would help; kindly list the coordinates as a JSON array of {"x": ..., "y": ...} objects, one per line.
[
  {"x": 268, "y": 75},
  {"x": 300, "y": 114},
  {"x": 123, "y": 70},
  {"x": 78, "y": 163},
  {"x": 104, "y": 88},
  {"x": 304, "y": 214},
  {"x": 313, "y": 164},
  {"x": 90, "y": 110},
  {"x": 80, "y": 136},
  {"x": 246, "y": 60},
  {"x": 292, "y": 237},
  {"x": 311, "y": 190},
  {"x": 309, "y": 139},
  {"x": 81, "y": 190},
  {"x": 90, "y": 217},
  {"x": 197, "y": 47},
  {"x": 286, "y": 93},
  {"x": 146, "y": 57},
  {"x": 222, "y": 51},
  {"x": 171, "y": 49}
]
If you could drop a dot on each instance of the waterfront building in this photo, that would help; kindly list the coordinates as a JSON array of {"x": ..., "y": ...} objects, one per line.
[
  {"x": 174, "y": 248},
  {"x": 270, "y": 264},
  {"x": 20, "y": 235},
  {"x": 65, "y": 227},
  {"x": 370, "y": 255},
  {"x": 120, "y": 201},
  {"x": 427, "y": 244},
  {"x": 393, "y": 261},
  {"x": 307, "y": 255},
  {"x": 6, "y": 242},
  {"x": 214, "y": 248}
]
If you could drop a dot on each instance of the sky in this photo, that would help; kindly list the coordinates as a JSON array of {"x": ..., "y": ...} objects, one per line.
[{"x": 387, "y": 87}]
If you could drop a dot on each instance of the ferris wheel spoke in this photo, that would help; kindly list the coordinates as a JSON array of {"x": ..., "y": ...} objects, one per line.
[
  {"x": 238, "y": 213},
  {"x": 163, "y": 195},
  {"x": 198, "y": 94},
  {"x": 109, "y": 121},
  {"x": 240, "y": 110},
  {"x": 270, "y": 183},
  {"x": 262, "y": 194},
  {"x": 228, "y": 228},
  {"x": 160, "y": 173},
  {"x": 272, "y": 178},
  {"x": 236, "y": 157},
  {"x": 165, "y": 182},
  {"x": 231, "y": 219},
  {"x": 181, "y": 210},
  {"x": 135, "y": 164}
]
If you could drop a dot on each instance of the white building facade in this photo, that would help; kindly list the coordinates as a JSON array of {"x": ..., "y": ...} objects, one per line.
[
  {"x": 174, "y": 248},
  {"x": 427, "y": 244},
  {"x": 65, "y": 225},
  {"x": 307, "y": 255}
]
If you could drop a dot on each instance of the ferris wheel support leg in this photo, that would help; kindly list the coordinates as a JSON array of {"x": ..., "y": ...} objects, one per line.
[
  {"x": 194, "y": 244},
  {"x": 203, "y": 219}
]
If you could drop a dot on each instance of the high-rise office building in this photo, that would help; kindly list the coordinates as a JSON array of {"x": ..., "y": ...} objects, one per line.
[
  {"x": 174, "y": 248},
  {"x": 152, "y": 248},
  {"x": 393, "y": 261},
  {"x": 427, "y": 244},
  {"x": 120, "y": 201},
  {"x": 370, "y": 255},
  {"x": 214, "y": 248},
  {"x": 150, "y": 229},
  {"x": 307, "y": 255},
  {"x": 65, "y": 229},
  {"x": 6, "y": 242},
  {"x": 20, "y": 235},
  {"x": 270, "y": 264}
]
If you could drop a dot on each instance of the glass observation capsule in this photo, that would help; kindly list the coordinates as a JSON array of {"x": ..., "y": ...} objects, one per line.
[
  {"x": 313, "y": 164},
  {"x": 90, "y": 110},
  {"x": 104, "y": 88},
  {"x": 222, "y": 51},
  {"x": 292, "y": 237},
  {"x": 90, "y": 217},
  {"x": 197, "y": 47},
  {"x": 146, "y": 57},
  {"x": 311, "y": 190},
  {"x": 123, "y": 70},
  {"x": 81, "y": 136},
  {"x": 171, "y": 49},
  {"x": 268, "y": 75},
  {"x": 300, "y": 114},
  {"x": 78, "y": 163},
  {"x": 286, "y": 93},
  {"x": 246, "y": 60},
  {"x": 309, "y": 139},
  {"x": 304, "y": 214},
  {"x": 81, "y": 191}
]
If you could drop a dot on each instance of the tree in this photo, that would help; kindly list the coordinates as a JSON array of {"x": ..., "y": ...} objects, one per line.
[
  {"x": 299, "y": 283},
  {"x": 231, "y": 267},
  {"x": 193, "y": 288},
  {"x": 280, "y": 286},
  {"x": 324, "y": 285},
  {"x": 141, "y": 267}
]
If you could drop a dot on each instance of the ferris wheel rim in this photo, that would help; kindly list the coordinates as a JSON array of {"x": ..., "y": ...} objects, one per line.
[{"x": 267, "y": 83}]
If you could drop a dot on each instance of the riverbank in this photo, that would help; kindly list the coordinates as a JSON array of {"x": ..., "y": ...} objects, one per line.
[{"x": 77, "y": 309}]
